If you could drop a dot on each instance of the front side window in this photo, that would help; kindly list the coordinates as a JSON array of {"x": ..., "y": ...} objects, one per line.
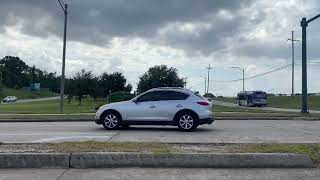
[{"x": 150, "y": 96}]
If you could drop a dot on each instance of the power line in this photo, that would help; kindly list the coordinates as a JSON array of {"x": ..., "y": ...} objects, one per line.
[{"x": 258, "y": 75}]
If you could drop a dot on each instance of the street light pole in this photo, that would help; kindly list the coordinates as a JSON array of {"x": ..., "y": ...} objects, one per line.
[
  {"x": 304, "y": 24},
  {"x": 64, "y": 7}
]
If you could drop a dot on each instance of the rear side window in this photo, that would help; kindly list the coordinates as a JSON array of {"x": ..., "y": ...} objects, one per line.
[{"x": 172, "y": 95}]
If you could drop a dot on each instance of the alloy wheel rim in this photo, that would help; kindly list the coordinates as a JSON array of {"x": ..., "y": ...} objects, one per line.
[
  {"x": 186, "y": 122},
  {"x": 111, "y": 121}
]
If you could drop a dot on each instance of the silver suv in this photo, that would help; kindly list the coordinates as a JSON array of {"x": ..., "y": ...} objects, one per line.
[{"x": 159, "y": 106}]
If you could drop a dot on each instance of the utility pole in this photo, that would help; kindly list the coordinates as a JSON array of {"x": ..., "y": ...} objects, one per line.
[
  {"x": 209, "y": 68},
  {"x": 205, "y": 85},
  {"x": 292, "y": 46},
  {"x": 304, "y": 24},
  {"x": 64, "y": 7},
  {"x": 185, "y": 81}
]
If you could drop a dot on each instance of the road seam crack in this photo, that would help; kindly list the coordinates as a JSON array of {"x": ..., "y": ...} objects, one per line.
[{"x": 62, "y": 174}]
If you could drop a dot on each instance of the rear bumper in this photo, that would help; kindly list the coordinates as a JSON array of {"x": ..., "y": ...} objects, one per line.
[{"x": 206, "y": 121}]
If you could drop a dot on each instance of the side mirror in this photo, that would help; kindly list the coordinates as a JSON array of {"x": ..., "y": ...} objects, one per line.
[{"x": 135, "y": 101}]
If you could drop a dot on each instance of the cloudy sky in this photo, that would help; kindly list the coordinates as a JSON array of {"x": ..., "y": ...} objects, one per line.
[{"x": 132, "y": 35}]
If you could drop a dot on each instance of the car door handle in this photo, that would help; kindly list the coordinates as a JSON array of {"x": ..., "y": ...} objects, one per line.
[
  {"x": 178, "y": 105},
  {"x": 152, "y": 106}
]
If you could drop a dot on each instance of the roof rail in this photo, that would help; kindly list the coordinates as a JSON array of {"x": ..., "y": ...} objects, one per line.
[{"x": 169, "y": 88}]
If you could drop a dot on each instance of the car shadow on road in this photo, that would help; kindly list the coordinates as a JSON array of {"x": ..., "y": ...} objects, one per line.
[{"x": 158, "y": 129}]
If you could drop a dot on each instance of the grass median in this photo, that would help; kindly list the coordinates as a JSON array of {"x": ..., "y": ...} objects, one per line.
[
  {"x": 310, "y": 150},
  {"x": 284, "y": 101}
]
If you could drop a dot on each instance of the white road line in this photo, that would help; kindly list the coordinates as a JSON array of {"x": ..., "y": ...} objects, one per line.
[
  {"x": 40, "y": 134},
  {"x": 73, "y": 138}
]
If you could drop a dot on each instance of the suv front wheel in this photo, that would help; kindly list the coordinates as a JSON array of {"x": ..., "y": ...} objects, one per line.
[
  {"x": 187, "y": 121},
  {"x": 110, "y": 120}
]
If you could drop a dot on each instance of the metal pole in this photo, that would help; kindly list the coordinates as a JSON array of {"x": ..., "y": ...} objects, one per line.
[
  {"x": 63, "y": 59},
  {"x": 292, "y": 41},
  {"x": 209, "y": 68},
  {"x": 242, "y": 79},
  {"x": 205, "y": 85},
  {"x": 304, "y": 25},
  {"x": 208, "y": 79}
]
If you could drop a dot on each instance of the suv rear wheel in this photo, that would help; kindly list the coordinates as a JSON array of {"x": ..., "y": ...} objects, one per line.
[
  {"x": 187, "y": 121},
  {"x": 110, "y": 120}
]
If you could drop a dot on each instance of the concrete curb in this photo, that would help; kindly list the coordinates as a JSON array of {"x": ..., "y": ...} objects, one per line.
[
  {"x": 105, "y": 160},
  {"x": 34, "y": 160}
]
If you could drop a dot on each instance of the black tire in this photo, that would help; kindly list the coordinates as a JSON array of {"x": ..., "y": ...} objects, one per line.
[
  {"x": 111, "y": 120},
  {"x": 187, "y": 121}
]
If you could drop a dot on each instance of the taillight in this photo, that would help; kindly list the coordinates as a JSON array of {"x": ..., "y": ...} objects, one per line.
[{"x": 203, "y": 103}]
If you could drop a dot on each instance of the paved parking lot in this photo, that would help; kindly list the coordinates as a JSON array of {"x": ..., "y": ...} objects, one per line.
[{"x": 224, "y": 131}]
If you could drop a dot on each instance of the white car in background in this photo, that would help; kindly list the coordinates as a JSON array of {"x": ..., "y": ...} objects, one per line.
[
  {"x": 159, "y": 106},
  {"x": 10, "y": 99}
]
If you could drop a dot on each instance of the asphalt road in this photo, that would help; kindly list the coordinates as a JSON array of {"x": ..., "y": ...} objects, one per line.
[
  {"x": 228, "y": 104},
  {"x": 33, "y": 100},
  {"x": 160, "y": 174},
  {"x": 224, "y": 131}
]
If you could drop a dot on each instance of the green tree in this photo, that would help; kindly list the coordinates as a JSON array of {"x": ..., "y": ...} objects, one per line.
[
  {"x": 14, "y": 71},
  {"x": 82, "y": 84},
  {"x": 159, "y": 76},
  {"x": 115, "y": 82},
  {"x": 209, "y": 95}
]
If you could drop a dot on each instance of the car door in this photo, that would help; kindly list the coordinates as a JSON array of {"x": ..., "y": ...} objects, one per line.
[
  {"x": 170, "y": 102},
  {"x": 144, "y": 108}
]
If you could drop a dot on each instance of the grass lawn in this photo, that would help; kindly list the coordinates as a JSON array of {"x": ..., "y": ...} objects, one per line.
[
  {"x": 227, "y": 99},
  {"x": 284, "y": 101},
  {"x": 50, "y": 107},
  {"x": 24, "y": 94},
  {"x": 311, "y": 150},
  {"x": 293, "y": 103}
]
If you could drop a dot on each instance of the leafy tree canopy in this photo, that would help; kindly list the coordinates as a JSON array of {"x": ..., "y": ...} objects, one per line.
[{"x": 159, "y": 76}]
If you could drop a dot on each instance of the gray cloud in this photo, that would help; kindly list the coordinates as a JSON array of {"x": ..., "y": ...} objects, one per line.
[{"x": 96, "y": 21}]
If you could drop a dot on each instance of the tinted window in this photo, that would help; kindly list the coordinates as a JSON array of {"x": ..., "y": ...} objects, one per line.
[
  {"x": 151, "y": 96},
  {"x": 172, "y": 95}
]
